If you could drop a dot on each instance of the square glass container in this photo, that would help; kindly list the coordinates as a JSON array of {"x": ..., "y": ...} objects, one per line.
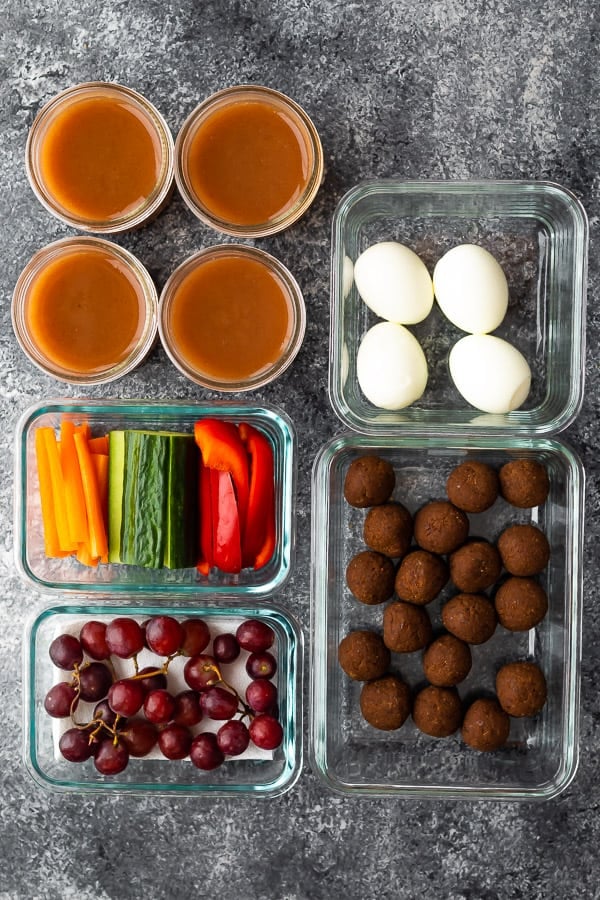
[
  {"x": 268, "y": 774},
  {"x": 540, "y": 758},
  {"x": 103, "y": 416},
  {"x": 537, "y": 231}
]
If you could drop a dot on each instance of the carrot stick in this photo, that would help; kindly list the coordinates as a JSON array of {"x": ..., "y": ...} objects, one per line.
[
  {"x": 84, "y": 429},
  {"x": 74, "y": 498},
  {"x": 58, "y": 490},
  {"x": 100, "y": 463},
  {"x": 51, "y": 542},
  {"x": 84, "y": 556},
  {"x": 93, "y": 503},
  {"x": 99, "y": 444}
]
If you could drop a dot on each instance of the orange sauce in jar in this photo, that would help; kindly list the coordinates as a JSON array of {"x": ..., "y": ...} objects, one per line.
[
  {"x": 230, "y": 318},
  {"x": 248, "y": 161},
  {"x": 100, "y": 157},
  {"x": 85, "y": 311}
]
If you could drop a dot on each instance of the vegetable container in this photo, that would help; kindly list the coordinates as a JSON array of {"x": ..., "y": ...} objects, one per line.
[
  {"x": 540, "y": 757},
  {"x": 260, "y": 773},
  {"x": 537, "y": 231},
  {"x": 67, "y": 574}
]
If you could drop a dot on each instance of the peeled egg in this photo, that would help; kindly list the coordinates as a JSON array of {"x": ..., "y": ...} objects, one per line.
[
  {"x": 471, "y": 288},
  {"x": 490, "y": 373},
  {"x": 394, "y": 282},
  {"x": 391, "y": 366}
]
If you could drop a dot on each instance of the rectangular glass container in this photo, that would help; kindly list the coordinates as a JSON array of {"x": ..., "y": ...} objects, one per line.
[
  {"x": 537, "y": 231},
  {"x": 269, "y": 776},
  {"x": 540, "y": 757},
  {"x": 69, "y": 575}
]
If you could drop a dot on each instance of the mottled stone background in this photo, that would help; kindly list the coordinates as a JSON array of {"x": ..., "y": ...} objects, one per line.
[{"x": 482, "y": 88}]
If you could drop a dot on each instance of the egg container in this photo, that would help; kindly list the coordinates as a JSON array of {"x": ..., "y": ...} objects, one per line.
[
  {"x": 540, "y": 758},
  {"x": 258, "y": 774},
  {"x": 537, "y": 231}
]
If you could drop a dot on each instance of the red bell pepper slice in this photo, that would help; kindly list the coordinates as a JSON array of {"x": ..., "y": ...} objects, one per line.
[
  {"x": 227, "y": 545},
  {"x": 206, "y": 561},
  {"x": 222, "y": 449},
  {"x": 258, "y": 537}
]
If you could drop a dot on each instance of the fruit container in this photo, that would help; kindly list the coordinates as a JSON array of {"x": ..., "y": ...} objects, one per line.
[
  {"x": 540, "y": 757},
  {"x": 67, "y": 574},
  {"x": 537, "y": 231},
  {"x": 259, "y": 772}
]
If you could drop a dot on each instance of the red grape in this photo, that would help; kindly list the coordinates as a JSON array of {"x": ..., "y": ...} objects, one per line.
[
  {"x": 94, "y": 681},
  {"x": 104, "y": 712},
  {"x": 205, "y": 752},
  {"x": 66, "y": 652},
  {"x": 201, "y": 672},
  {"x": 93, "y": 639},
  {"x": 153, "y": 680},
  {"x": 126, "y": 696},
  {"x": 261, "y": 695},
  {"x": 233, "y": 737},
  {"x": 124, "y": 637},
  {"x": 187, "y": 709},
  {"x": 111, "y": 758},
  {"x": 218, "y": 703},
  {"x": 59, "y": 701},
  {"x": 225, "y": 648},
  {"x": 139, "y": 736},
  {"x": 196, "y": 636},
  {"x": 261, "y": 665},
  {"x": 174, "y": 741},
  {"x": 255, "y": 635},
  {"x": 75, "y": 745},
  {"x": 159, "y": 706},
  {"x": 164, "y": 635},
  {"x": 266, "y": 732}
]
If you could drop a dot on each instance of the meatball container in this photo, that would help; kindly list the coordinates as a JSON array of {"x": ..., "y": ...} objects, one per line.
[
  {"x": 68, "y": 575},
  {"x": 259, "y": 773},
  {"x": 537, "y": 231},
  {"x": 539, "y": 760}
]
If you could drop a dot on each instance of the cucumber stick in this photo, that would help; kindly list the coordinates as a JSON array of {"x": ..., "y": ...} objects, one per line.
[
  {"x": 153, "y": 499},
  {"x": 116, "y": 471}
]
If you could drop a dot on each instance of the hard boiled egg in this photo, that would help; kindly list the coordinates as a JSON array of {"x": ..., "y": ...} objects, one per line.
[
  {"x": 490, "y": 373},
  {"x": 391, "y": 366},
  {"x": 471, "y": 289},
  {"x": 394, "y": 282}
]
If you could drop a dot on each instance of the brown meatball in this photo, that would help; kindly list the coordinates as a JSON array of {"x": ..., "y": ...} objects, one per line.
[
  {"x": 437, "y": 711},
  {"x": 475, "y": 566},
  {"x": 485, "y": 726},
  {"x": 521, "y": 603},
  {"x": 473, "y": 486},
  {"x": 524, "y": 549},
  {"x": 363, "y": 655},
  {"x": 405, "y": 627},
  {"x": 420, "y": 577},
  {"x": 370, "y": 577},
  {"x": 524, "y": 483},
  {"x": 447, "y": 661},
  {"x": 440, "y": 527},
  {"x": 521, "y": 688},
  {"x": 388, "y": 529},
  {"x": 470, "y": 617},
  {"x": 369, "y": 481},
  {"x": 385, "y": 702}
]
